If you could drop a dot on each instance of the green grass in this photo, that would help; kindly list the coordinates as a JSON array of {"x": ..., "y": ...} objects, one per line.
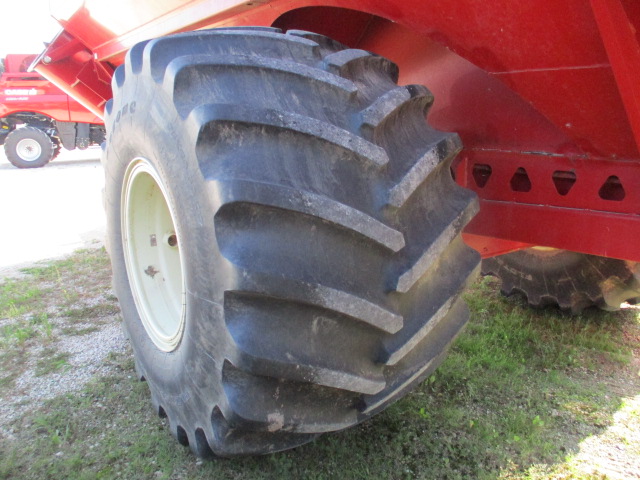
[
  {"x": 51, "y": 361},
  {"x": 23, "y": 329},
  {"x": 76, "y": 289},
  {"x": 519, "y": 391},
  {"x": 104, "y": 309},
  {"x": 16, "y": 297},
  {"x": 75, "y": 331}
]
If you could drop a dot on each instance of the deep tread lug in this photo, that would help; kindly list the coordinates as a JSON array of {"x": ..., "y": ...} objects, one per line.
[
  {"x": 320, "y": 296},
  {"x": 321, "y": 40},
  {"x": 368, "y": 153},
  {"x": 447, "y": 148},
  {"x": 321, "y": 351},
  {"x": 435, "y": 250},
  {"x": 235, "y": 190}
]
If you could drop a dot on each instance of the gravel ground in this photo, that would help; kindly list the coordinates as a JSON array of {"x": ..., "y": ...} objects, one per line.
[
  {"x": 52, "y": 211},
  {"x": 87, "y": 360},
  {"x": 72, "y": 325}
]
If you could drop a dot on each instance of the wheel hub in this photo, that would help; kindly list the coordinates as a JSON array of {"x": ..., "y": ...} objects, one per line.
[
  {"x": 152, "y": 254},
  {"x": 28, "y": 149}
]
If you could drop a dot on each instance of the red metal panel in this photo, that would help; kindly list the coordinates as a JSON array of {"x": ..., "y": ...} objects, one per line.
[
  {"x": 71, "y": 66},
  {"x": 592, "y": 187},
  {"x": 78, "y": 113},
  {"x": 525, "y": 44},
  {"x": 491, "y": 246},
  {"x": 620, "y": 39},
  {"x": 599, "y": 233},
  {"x": 49, "y": 105},
  {"x": 572, "y": 203},
  {"x": 550, "y": 53},
  {"x": 110, "y": 28},
  {"x": 23, "y": 91},
  {"x": 468, "y": 100}
]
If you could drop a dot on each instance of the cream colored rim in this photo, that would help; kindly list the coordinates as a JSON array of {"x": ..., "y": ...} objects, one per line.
[
  {"x": 152, "y": 254},
  {"x": 28, "y": 149}
]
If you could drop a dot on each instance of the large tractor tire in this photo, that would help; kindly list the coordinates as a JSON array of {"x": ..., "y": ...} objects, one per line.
[
  {"x": 572, "y": 281},
  {"x": 29, "y": 147},
  {"x": 284, "y": 234}
]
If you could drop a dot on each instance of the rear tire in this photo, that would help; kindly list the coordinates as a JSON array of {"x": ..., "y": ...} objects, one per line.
[
  {"x": 29, "y": 147},
  {"x": 572, "y": 281},
  {"x": 317, "y": 262}
]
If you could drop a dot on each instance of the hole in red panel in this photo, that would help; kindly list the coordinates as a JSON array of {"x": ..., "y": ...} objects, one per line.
[
  {"x": 520, "y": 181},
  {"x": 563, "y": 181},
  {"x": 612, "y": 189},
  {"x": 481, "y": 174}
]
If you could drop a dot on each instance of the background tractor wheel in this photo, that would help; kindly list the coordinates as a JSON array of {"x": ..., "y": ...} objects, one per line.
[
  {"x": 29, "y": 147},
  {"x": 289, "y": 259},
  {"x": 57, "y": 148},
  {"x": 571, "y": 280}
]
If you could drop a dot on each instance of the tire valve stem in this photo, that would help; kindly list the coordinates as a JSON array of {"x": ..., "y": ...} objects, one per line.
[
  {"x": 172, "y": 240},
  {"x": 151, "y": 271}
]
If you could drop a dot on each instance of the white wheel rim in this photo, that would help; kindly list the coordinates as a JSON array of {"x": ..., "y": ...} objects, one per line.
[
  {"x": 28, "y": 149},
  {"x": 152, "y": 255}
]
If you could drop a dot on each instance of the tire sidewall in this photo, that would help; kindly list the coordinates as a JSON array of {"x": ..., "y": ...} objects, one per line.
[{"x": 137, "y": 131}]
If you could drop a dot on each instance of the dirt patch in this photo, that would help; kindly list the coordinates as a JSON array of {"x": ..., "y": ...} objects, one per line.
[{"x": 614, "y": 453}]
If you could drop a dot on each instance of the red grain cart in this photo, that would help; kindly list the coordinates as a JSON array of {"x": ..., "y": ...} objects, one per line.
[
  {"x": 37, "y": 118},
  {"x": 286, "y": 230}
]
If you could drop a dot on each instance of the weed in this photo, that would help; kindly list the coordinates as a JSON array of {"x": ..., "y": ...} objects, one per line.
[
  {"x": 74, "y": 331},
  {"x": 104, "y": 309},
  {"x": 7, "y": 381},
  {"x": 18, "y": 333},
  {"x": 51, "y": 361},
  {"x": 15, "y": 296}
]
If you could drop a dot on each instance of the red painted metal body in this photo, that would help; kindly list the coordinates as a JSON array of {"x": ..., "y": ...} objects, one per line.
[
  {"x": 22, "y": 91},
  {"x": 544, "y": 95}
]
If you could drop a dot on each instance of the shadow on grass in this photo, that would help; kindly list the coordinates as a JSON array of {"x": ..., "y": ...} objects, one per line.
[{"x": 520, "y": 388}]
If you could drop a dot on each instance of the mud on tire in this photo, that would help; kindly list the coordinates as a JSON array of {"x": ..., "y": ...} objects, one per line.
[{"x": 317, "y": 226}]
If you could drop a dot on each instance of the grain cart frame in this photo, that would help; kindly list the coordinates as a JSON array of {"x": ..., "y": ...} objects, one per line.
[{"x": 284, "y": 227}]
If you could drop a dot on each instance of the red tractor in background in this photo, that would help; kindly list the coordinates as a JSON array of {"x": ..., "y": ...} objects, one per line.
[
  {"x": 286, "y": 230},
  {"x": 37, "y": 118}
]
